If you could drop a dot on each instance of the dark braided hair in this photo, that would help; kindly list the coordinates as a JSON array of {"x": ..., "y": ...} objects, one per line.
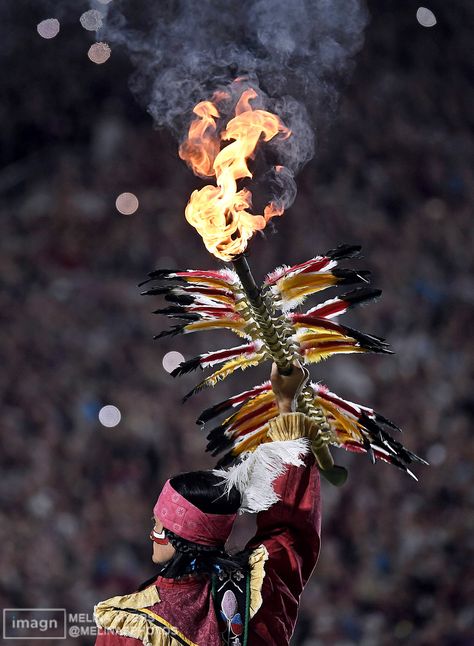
[{"x": 204, "y": 490}]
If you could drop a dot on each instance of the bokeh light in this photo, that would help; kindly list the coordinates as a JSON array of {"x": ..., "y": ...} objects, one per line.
[
  {"x": 425, "y": 17},
  {"x": 126, "y": 203},
  {"x": 109, "y": 416},
  {"x": 91, "y": 20},
  {"x": 48, "y": 28},
  {"x": 99, "y": 53},
  {"x": 436, "y": 454},
  {"x": 171, "y": 360}
]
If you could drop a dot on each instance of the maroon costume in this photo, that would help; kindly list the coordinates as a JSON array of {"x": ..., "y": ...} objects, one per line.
[{"x": 290, "y": 532}]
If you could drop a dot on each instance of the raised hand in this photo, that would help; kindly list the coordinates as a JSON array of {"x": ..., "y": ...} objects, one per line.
[{"x": 288, "y": 387}]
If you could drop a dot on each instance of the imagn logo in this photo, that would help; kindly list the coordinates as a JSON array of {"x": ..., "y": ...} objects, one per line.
[{"x": 34, "y": 623}]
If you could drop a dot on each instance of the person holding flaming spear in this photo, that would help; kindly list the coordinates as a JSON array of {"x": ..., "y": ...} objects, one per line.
[
  {"x": 273, "y": 456},
  {"x": 203, "y": 595}
]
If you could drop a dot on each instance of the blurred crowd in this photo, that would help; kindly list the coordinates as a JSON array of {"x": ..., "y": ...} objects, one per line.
[{"x": 396, "y": 175}]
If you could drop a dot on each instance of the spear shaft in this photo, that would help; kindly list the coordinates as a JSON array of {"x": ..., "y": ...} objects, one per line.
[{"x": 276, "y": 339}]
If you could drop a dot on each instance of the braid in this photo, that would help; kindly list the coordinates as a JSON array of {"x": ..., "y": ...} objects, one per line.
[
  {"x": 192, "y": 558},
  {"x": 192, "y": 549}
]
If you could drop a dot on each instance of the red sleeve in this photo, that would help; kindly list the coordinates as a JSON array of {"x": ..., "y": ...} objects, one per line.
[
  {"x": 105, "y": 638},
  {"x": 290, "y": 530}
]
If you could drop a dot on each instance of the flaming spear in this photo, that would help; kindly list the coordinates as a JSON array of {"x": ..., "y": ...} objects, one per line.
[
  {"x": 221, "y": 215},
  {"x": 201, "y": 300}
]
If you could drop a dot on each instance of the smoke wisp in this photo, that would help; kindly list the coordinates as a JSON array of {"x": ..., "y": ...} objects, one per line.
[
  {"x": 296, "y": 54},
  {"x": 298, "y": 51}
]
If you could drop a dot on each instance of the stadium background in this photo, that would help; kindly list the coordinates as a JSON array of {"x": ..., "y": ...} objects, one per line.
[{"x": 395, "y": 173}]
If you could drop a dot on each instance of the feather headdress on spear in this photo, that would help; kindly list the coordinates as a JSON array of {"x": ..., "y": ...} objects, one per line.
[{"x": 268, "y": 320}]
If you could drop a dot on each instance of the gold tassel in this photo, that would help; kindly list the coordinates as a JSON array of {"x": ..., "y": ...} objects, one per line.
[{"x": 257, "y": 561}]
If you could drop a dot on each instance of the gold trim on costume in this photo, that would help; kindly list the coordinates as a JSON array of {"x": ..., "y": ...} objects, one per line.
[
  {"x": 257, "y": 561},
  {"x": 129, "y": 616},
  {"x": 147, "y": 597}
]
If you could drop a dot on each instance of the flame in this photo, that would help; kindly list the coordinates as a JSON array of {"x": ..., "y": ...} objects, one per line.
[
  {"x": 202, "y": 145},
  {"x": 221, "y": 214}
]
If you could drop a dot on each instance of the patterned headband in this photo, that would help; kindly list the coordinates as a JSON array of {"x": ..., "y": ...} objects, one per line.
[{"x": 187, "y": 521}]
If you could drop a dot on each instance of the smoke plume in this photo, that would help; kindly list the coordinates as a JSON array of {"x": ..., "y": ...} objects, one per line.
[
  {"x": 299, "y": 51},
  {"x": 296, "y": 53}
]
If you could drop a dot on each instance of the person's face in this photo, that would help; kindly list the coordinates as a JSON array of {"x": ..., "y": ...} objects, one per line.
[{"x": 161, "y": 552}]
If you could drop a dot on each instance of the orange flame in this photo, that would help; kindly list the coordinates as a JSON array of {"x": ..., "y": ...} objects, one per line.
[{"x": 220, "y": 213}]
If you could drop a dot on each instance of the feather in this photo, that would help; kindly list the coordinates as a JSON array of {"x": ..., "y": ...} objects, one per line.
[
  {"x": 180, "y": 299},
  {"x": 245, "y": 444},
  {"x": 197, "y": 313},
  {"x": 321, "y": 391},
  {"x": 386, "y": 422},
  {"x": 232, "y": 425},
  {"x": 357, "y": 447},
  {"x": 199, "y": 295},
  {"x": 225, "y": 276},
  {"x": 227, "y": 433},
  {"x": 262, "y": 405},
  {"x": 344, "y": 251},
  {"x": 163, "y": 274},
  {"x": 220, "y": 279},
  {"x": 327, "y": 261},
  {"x": 349, "y": 276},
  {"x": 254, "y": 476},
  {"x": 364, "y": 429},
  {"x": 240, "y": 363},
  {"x": 239, "y": 327},
  {"x": 202, "y": 314},
  {"x": 175, "y": 311},
  {"x": 203, "y": 290},
  {"x": 232, "y": 402},
  {"x": 294, "y": 289},
  {"x": 388, "y": 441},
  {"x": 185, "y": 316},
  {"x": 312, "y": 330},
  {"x": 173, "y": 331},
  {"x": 337, "y": 306},
  {"x": 218, "y": 440},
  {"x": 325, "y": 349},
  {"x": 211, "y": 358},
  {"x": 155, "y": 291}
]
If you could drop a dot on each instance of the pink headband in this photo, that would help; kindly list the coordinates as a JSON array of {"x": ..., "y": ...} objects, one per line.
[{"x": 184, "y": 519}]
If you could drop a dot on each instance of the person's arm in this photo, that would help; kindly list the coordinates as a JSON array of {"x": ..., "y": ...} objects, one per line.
[{"x": 290, "y": 530}]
